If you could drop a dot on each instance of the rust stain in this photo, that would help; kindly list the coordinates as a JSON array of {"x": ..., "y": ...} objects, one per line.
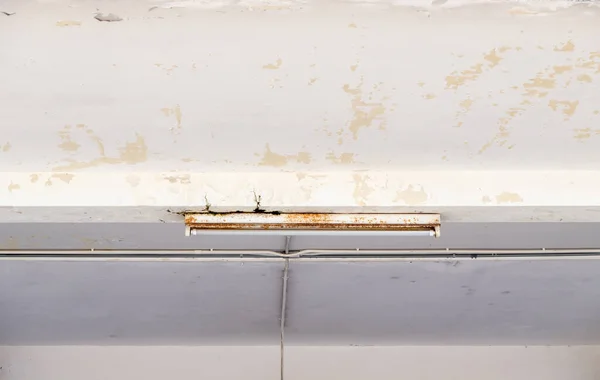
[
  {"x": 508, "y": 197},
  {"x": 364, "y": 113},
  {"x": 568, "y": 108},
  {"x": 68, "y": 23},
  {"x": 568, "y": 46},
  {"x": 274, "y": 66},
  {"x": 412, "y": 195},
  {"x": 362, "y": 190},
  {"x": 344, "y": 158},
  {"x": 271, "y": 158}
]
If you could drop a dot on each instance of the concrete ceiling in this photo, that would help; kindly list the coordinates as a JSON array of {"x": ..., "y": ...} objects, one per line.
[{"x": 329, "y": 302}]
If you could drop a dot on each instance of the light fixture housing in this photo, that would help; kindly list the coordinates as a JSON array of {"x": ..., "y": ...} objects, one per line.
[{"x": 295, "y": 224}]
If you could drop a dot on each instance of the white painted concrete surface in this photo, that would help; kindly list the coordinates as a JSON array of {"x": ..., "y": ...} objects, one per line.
[{"x": 302, "y": 363}]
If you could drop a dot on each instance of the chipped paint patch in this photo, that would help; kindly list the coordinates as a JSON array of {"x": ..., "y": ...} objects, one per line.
[
  {"x": 508, "y": 197},
  {"x": 566, "y": 47},
  {"x": 362, "y": 190},
  {"x": 132, "y": 153},
  {"x": 364, "y": 113},
  {"x": 582, "y": 134},
  {"x": 67, "y": 144},
  {"x": 271, "y": 158},
  {"x": 459, "y": 78},
  {"x": 568, "y": 108},
  {"x": 65, "y": 177},
  {"x": 412, "y": 195},
  {"x": 344, "y": 158},
  {"x": 501, "y": 137},
  {"x": 174, "y": 111},
  {"x": 273, "y": 66},
  {"x": 182, "y": 179}
]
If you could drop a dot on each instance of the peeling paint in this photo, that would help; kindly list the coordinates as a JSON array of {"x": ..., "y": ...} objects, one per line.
[
  {"x": 67, "y": 144},
  {"x": 362, "y": 190},
  {"x": 174, "y": 111},
  {"x": 274, "y": 66},
  {"x": 132, "y": 153},
  {"x": 412, "y": 195},
  {"x": 582, "y": 134},
  {"x": 271, "y": 158},
  {"x": 508, "y": 197},
  {"x": 568, "y": 108},
  {"x": 344, "y": 158},
  {"x": 364, "y": 113},
  {"x": 567, "y": 47}
]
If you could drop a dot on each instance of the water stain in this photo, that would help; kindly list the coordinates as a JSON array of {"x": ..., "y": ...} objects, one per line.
[
  {"x": 412, "y": 195},
  {"x": 274, "y": 66},
  {"x": 508, "y": 197}
]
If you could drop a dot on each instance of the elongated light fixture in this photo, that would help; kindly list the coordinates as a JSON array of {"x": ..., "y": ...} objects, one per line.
[{"x": 295, "y": 224}]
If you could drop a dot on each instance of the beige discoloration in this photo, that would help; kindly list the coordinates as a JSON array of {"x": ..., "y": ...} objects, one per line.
[
  {"x": 412, "y": 195},
  {"x": 33, "y": 178},
  {"x": 486, "y": 199},
  {"x": 458, "y": 78},
  {"x": 492, "y": 56},
  {"x": 567, "y": 107},
  {"x": 273, "y": 66},
  {"x": 133, "y": 180},
  {"x": 535, "y": 87},
  {"x": 174, "y": 111},
  {"x": 466, "y": 104},
  {"x": 67, "y": 144},
  {"x": 6, "y": 147},
  {"x": 567, "y": 47},
  {"x": 68, "y": 23},
  {"x": 501, "y": 137},
  {"x": 429, "y": 96},
  {"x": 271, "y": 158},
  {"x": 169, "y": 69},
  {"x": 362, "y": 190},
  {"x": 312, "y": 81},
  {"x": 65, "y": 177},
  {"x": 584, "y": 78},
  {"x": 182, "y": 179},
  {"x": 562, "y": 69},
  {"x": 508, "y": 197},
  {"x": 344, "y": 158},
  {"x": 13, "y": 186},
  {"x": 132, "y": 153},
  {"x": 364, "y": 113},
  {"x": 421, "y": 84},
  {"x": 352, "y": 25},
  {"x": 354, "y": 67},
  {"x": 582, "y": 134}
]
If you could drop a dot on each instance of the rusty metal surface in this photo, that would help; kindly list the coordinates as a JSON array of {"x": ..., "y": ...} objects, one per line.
[{"x": 312, "y": 221}]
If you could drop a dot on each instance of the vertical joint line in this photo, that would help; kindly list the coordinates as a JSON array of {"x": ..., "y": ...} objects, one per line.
[{"x": 284, "y": 307}]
